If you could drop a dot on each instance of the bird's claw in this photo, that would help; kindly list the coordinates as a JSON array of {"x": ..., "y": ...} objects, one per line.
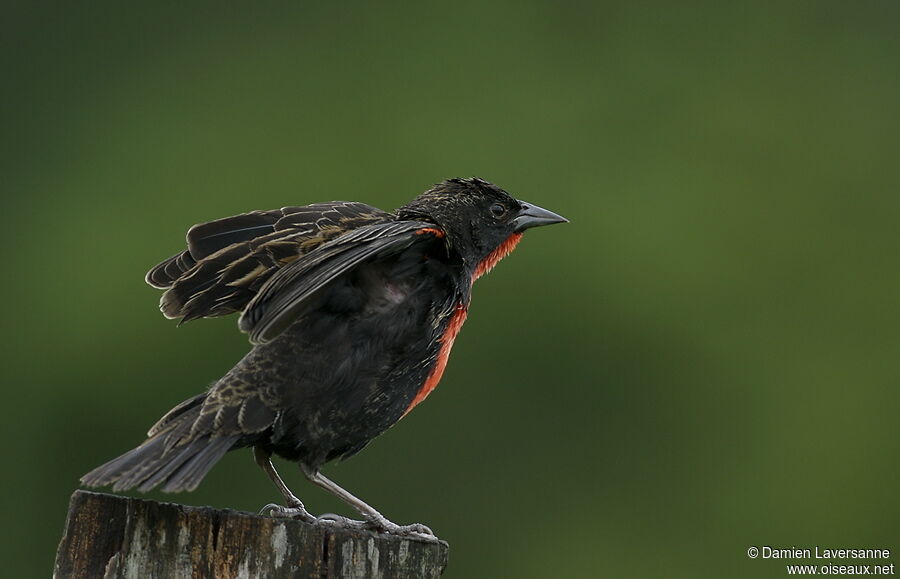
[
  {"x": 289, "y": 512},
  {"x": 342, "y": 521},
  {"x": 415, "y": 530},
  {"x": 269, "y": 509}
]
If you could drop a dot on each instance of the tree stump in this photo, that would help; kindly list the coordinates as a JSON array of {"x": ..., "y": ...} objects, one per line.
[{"x": 115, "y": 537}]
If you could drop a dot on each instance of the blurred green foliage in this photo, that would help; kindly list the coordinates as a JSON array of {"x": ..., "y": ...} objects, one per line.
[{"x": 705, "y": 359}]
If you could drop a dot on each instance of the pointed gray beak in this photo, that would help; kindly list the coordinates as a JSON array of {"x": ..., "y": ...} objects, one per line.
[{"x": 533, "y": 216}]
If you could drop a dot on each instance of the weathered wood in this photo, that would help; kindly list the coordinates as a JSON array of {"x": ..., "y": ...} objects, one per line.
[{"x": 117, "y": 537}]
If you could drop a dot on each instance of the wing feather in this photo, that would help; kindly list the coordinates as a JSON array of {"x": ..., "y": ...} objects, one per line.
[
  {"x": 284, "y": 296},
  {"x": 228, "y": 260}
]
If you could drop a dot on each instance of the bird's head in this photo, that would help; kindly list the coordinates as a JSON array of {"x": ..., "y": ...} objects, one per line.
[{"x": 482, "y": 222}]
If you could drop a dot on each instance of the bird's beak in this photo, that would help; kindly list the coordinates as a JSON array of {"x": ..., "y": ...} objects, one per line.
[{"x": 534, "y": 216}]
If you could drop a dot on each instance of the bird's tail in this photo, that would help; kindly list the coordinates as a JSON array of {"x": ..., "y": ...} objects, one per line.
[{"x": 174, "y": 455}]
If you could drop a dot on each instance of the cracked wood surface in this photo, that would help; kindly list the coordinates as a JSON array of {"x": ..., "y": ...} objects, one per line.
[{"x": 116, "y": 537}]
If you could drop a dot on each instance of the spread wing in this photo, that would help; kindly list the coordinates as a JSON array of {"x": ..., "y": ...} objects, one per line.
[
  {"x": 227, "y": 261},
  {"x": 282, "y": 299}
]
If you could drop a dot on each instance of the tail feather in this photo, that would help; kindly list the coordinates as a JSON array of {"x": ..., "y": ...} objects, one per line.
[
  {"x": 173, "y": 456},
  {"x": 191, "y": 472},
  {"x": 146, "y": 458},
  {"x": 166, "y": 449},
  {"x": 153, "y": 473}
]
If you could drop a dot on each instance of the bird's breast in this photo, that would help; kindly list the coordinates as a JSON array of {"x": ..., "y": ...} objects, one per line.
[{"x": 446, "y": 344}]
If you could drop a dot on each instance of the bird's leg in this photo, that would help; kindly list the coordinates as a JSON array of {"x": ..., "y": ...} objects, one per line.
[
  {"x": 373, "y": 517},
  {"x": 293, "y": 506}
]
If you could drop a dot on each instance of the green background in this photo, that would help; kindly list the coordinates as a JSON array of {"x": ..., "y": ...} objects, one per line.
[{"x": 704, "y": 359}]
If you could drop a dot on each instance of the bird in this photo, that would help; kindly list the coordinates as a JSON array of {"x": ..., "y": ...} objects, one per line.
[{"x": 351, "y": 312}]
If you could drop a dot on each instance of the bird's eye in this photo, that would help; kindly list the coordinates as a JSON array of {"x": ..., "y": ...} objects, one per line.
[{"x": 498, "y": 210}]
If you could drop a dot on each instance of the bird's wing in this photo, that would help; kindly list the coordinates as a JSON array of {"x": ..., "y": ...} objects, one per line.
[
  {"x": 285, "y": 295},
  {"x": 228, "y": 260}
]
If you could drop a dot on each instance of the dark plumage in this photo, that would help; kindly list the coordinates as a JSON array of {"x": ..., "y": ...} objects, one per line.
[{"x": 352, "y": 310}]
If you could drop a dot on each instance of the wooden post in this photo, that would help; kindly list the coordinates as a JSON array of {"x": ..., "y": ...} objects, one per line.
[{"x": 114, "y": 537}]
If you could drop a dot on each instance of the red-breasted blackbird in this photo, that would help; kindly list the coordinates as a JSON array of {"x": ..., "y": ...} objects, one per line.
[{"x": 352, "y": 310}]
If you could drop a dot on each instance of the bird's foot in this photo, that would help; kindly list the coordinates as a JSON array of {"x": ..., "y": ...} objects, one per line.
[
  {"x": 293, "y": 511},
  {"x": 343, "y": 521},
  {"x": 376, "y": 522},
  {"x": 415, "y": 530}
]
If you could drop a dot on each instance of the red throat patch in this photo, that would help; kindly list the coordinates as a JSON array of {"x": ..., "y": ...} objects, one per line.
[
  {"x": 488, "y": 263},
  {"x": 456, "y": 322}
]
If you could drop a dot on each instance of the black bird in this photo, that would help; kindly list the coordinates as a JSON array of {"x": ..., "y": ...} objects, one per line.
[{"x": 352, "y": 312}]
